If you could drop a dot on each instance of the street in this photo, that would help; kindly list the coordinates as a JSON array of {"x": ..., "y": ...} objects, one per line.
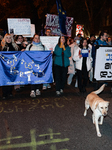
[{"x": 48, "y": 122}]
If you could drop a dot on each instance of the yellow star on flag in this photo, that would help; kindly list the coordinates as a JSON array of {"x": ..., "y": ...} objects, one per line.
[
  {"x": 63, "y": 13},
  {"x": 59, "y": 10}
]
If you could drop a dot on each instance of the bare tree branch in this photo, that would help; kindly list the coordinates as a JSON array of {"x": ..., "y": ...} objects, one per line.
[
  {"x": 100, "y": 9},
  {"x": 88, "y": 10}
]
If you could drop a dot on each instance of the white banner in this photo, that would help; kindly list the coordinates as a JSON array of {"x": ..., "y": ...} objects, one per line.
[
  {"x": 32, "y": 31},
  {"x": 49, "y": 41},
  {"x": 103, "y": 64},
  {"x": 19, "y": 26}
]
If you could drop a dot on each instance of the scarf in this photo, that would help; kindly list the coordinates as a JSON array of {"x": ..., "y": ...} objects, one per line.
[
  {"x": 34, "y": 43},
  {"x": 17, "y": 42},
  {"x": 62, "y": 46}
]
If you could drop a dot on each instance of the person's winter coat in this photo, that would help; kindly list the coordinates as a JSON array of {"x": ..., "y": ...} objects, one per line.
[
  {"x": 36, "y": 47},
  {"x": 80, "y": 60},
  {"x": 58, "y": 56},
  {"x": 71, "y": 68}
]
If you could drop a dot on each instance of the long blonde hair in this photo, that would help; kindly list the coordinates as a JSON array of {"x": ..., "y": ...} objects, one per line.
[{"x": 3, "y": 42}]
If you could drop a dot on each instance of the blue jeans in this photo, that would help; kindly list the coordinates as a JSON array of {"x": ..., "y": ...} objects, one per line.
[
  {"x": 69, "y": 80},
  {"x": 46, "y": 84}
]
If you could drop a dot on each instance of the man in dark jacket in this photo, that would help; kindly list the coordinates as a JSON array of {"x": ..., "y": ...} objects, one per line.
[
  {"x": 92, "y": 39},
  {"x": 101, "y": 41}
]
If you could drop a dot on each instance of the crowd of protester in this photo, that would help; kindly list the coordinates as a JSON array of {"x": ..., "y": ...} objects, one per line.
[{"x": 68, "y": 59}]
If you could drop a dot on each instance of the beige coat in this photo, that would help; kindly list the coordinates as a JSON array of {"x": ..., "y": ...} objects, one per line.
[{"x": 71, "y": 68}]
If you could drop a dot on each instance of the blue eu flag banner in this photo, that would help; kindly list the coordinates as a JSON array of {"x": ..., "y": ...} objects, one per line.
[
  {"x": 28, "y": 67},
  {"x": 62, "y": 17}
]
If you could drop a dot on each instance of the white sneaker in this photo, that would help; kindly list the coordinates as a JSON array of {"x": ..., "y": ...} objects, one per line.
[
  {"x": 38, "y": 92},
  {"x": 48, "y": 86},
  {"x": 58, "y": 93},
  {"x": 61, "y": 91},
  {"x": 32, "y": 93},
  {"x": 44, "y": 88}
]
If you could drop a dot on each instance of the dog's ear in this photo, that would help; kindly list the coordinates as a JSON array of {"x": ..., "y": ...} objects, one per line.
[
  {"x": 108, "y": 102},
  {"x": 96, "y": 105}
]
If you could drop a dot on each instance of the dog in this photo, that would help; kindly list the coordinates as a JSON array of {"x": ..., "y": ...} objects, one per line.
[{"x": 98, "y": 106}]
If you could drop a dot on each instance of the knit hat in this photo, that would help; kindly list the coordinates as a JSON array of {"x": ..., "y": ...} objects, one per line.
[{"x": 76, "y": 38}]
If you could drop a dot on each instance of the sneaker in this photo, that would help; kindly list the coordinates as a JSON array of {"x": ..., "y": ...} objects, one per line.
[
  {"x": 48, "y": 86},
  {"x": 61, "y": 91},
  {"x": 44, "y": 88},
  {"x": 58, "y": 93},
  {"x": 32, "y": 94},
  {"x": 38, "y": 92}
]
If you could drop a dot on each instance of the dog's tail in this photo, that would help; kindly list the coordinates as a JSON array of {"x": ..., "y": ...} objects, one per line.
[{"x": 99, "y": 90}]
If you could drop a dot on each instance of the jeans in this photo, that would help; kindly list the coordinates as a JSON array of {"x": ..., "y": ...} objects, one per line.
[
  {"x": 46, "y": 84},
  {"x": 69, "y": 80}
]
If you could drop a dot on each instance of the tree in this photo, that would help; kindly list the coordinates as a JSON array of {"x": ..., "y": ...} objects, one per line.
[
  {"x": 86, "y": 12},
  {"x": 44, "y": 7},
  {"x": 94, "y": 9},
  {"x": 14, "y": 9}
]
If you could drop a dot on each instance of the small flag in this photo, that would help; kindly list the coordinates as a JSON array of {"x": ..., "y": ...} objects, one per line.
[{"x": 62, "y": 17}]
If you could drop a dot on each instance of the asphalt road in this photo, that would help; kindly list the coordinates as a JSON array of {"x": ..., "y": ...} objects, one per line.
[{"x": 52, "y": 123}]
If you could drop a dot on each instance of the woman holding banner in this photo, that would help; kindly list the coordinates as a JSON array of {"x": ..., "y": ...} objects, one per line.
[
  {"x": 21, "y": 47},
  {"x": 36, "y": 45},
  {"x": 20, "y": 43},
  {"x": 61, "y": 63},
  {"x": 8, "y": 44},
  {"x": 83, "y": 59}
]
